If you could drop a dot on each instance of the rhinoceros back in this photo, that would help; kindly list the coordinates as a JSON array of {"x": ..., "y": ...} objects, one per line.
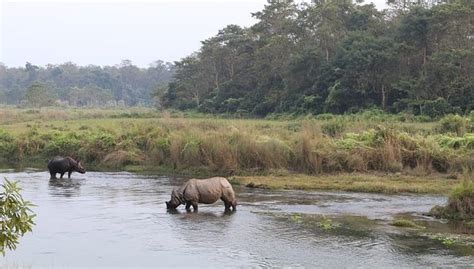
[
  {"x": 59, "y": 165},
  {"x": 209, "y": 190}
]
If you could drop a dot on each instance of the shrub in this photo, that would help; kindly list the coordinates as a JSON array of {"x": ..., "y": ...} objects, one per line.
[
  {"x": 374, "y": 114},
  {"x": 7, "y": 145},
  {"x": 333, "y": 128},
  {"x": 16, "y": 216},
  {"x": 437, "y": 108},
  {"x": 453, "y": 124},
  {"x": 460, "y": 203},
  {"x": 63, "y": 144},
  {"x": 325, "y": 116}
]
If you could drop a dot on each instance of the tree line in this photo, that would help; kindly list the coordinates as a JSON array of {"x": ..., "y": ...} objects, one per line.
[
  {"x": 70, "y": 84},
  {"x": 333, "y": 57}
]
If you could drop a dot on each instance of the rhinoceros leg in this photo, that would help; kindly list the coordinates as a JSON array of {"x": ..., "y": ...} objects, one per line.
[
  {"x": 62, "y": 174},
  {"x": 188, "y": 206},
  {"x": 195, "y": 206},
  {"x": 53, "y": 175},
  {"x": 227, "y": 206}
]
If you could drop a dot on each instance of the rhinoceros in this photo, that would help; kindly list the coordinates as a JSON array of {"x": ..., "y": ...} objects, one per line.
[
  {"x": 62, "y": 165},
  {"x": 205, "y": 191}
]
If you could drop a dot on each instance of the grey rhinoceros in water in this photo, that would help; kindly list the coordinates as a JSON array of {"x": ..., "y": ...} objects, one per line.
[
  {"x": 205, "y": 191},
  {"x": 62, "y": 165}
]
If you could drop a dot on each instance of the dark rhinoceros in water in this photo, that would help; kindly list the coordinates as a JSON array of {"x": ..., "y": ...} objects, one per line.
[
  {"x": 205, "y": 191},
  {"x": 62, "y": 165}
]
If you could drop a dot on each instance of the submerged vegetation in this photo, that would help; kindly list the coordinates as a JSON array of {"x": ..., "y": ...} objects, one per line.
[
  {"x": 406, "y": 223},
  {"x": 327, "y": 224}
]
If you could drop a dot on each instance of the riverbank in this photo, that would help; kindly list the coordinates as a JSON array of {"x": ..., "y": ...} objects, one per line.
[
  {"x": 364, "y": 152},
  {"x": 387, "y": 183}
]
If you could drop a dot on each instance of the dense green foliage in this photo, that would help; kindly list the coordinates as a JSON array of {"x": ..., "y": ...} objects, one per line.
[
  {"x": 124, "y": 84},
  {"x": 329, "y": 56},
  {"x": 16, "y": 217}
]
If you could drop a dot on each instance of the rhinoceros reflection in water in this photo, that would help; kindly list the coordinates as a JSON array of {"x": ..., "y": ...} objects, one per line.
[{"x": 205, "y": 191}]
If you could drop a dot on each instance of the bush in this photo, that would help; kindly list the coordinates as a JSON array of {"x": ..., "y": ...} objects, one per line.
[
  {"x": 63, "y": 144},
  {"x": 437, "y": 108},
  {"x": 453, "y": 124},
  {"x": 16, "y": 216},
  {"x": 7, "y": 145},
  {"x": 325, "y": 116},
  {"x": 460, "y": 203},
  {"x": 333, "y": 128},
  {"x": 374, "y": 114}
]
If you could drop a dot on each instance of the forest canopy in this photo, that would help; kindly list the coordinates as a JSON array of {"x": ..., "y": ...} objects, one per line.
[
  {"x": 333, "y": 57},
  {"x": 306, "y": 58},
  {"x": 122, "y": 84}
]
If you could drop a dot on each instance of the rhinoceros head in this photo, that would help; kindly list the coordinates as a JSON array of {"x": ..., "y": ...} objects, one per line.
[
  {"x": 79, "y": 168},
  {"x": 76, "y": 165},
  {"x": 176, "y": 200}
]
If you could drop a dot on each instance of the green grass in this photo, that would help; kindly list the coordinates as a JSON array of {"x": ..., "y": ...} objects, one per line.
[
  {"x": 372, "y": 183},
  {"x": 405, "y": 223},
  {"x": 460, "y": 204},
  {"x": 352, "y": 152},
  {"x": 327, "y": 224}
]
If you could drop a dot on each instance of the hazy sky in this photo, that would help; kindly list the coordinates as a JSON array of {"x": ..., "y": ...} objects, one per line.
[{"x": 105, "y": 32}]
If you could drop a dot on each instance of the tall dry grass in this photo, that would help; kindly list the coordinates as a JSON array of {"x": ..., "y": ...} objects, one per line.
[{"x": 241, "y": 146}]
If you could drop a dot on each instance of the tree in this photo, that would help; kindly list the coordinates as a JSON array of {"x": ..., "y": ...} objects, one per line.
[
  {"x": 16, "y": 216},
  {"x": 450, "y": 75},
  {"x": 39, "y": 96},
  {"x": 367, "y": 65},
  {"x": 127, "y": 82},
  {"x": 332, "y": 56},
  {"x": 414, "y": 30},
  {"x": 325, "y": 23},
  {"x": 90, "y": 96}
]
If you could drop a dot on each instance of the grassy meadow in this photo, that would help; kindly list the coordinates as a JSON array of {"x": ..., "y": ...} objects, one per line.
[{"x": 369, "y": 151}]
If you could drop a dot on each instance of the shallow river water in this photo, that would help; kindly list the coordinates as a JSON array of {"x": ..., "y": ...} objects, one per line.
[{"x": 120, "y": 219}]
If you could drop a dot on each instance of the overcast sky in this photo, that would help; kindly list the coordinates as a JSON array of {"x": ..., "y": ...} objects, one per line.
[{"x": 105, "y": 32}]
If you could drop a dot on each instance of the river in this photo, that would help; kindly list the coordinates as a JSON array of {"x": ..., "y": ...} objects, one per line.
[{"x": 120, "y": 219}]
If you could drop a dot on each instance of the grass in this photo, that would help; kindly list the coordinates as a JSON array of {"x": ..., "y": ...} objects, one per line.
[
  {"x": 460, "y": 204},
  {"x": 405, "y": 223},
  {"x": 372, "y": 183},
  {"x": 327, "y": 224},
  {"x": 446, "y": 240},
  {"x": 365, "y": 152}
]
